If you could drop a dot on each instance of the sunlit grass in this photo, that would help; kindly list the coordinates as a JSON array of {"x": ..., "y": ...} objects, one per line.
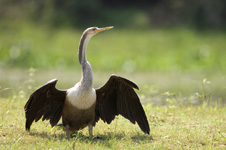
[{"x": 172, "y": 127}]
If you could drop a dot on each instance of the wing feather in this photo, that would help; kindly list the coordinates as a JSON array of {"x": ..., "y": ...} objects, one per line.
[
  {"x": 46, "y": 102},
  {"x": 116, "y": 97}
]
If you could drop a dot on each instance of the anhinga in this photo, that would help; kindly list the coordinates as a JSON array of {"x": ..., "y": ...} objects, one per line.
[{"x": 82, "y": 105}]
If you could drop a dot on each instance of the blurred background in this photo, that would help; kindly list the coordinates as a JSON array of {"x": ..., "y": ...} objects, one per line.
[{"x": 174, "y": 50}]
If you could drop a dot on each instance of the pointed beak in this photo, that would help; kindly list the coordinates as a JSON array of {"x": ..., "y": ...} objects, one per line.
[{"x": 103, "y": 29}]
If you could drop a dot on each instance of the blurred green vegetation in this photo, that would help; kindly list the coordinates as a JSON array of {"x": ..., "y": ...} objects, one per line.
[
  {"x": 202, "y": 14},
  {"x": 165, "y": 45},
  {"x": 155, "y": 35},
  {"x": 174, "y": 50}
]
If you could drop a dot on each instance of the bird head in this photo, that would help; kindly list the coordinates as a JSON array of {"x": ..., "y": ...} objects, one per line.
[{"x": 94, "y": 30}]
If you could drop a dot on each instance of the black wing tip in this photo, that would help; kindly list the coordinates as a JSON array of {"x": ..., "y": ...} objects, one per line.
[
  {"x": 147, "y": 132},
  {"x": 146, "y": 129},
  {"x": 28, "y": 129},
  {"x": 53, "y": 123},
  {"x": 27, "y": 126}
]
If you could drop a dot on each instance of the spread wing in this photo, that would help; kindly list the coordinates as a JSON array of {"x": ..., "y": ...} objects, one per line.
[
  {"x": 46, "y": 101},
  {"x": 116, "y": 97}
]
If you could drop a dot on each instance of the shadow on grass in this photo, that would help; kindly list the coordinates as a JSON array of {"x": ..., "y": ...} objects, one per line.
[
  {"x": 109, "y": 139},
  {"x": 100, "y": 139},
  {"x": 47, "y": 135}
]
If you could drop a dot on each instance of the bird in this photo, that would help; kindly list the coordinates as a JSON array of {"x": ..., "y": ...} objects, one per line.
[{"x": 82, "y": 105}]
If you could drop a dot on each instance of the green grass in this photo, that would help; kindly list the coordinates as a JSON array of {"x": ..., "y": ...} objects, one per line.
[
  {"x": 172, "y": 127},
  {"x": 172, "y": 50}
]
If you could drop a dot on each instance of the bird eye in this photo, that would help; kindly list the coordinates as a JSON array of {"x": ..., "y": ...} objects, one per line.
[{"x": 95, "y": 28}]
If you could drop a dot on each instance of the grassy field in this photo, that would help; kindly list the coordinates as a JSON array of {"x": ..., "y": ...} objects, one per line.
[
  {"x": 180, "y": 72},
  {"x": 172, "y": 127}
]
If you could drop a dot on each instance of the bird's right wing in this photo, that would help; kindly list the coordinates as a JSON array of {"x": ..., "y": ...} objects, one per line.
[
  {"x": 116, "y": 97},
  {"x": 47, "y": 101}
]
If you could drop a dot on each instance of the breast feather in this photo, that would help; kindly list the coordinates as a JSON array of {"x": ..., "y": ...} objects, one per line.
[{"x": 81, "y": 98}]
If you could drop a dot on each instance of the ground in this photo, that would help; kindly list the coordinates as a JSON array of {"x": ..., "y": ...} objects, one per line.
[{"x": 172, "y": 127}]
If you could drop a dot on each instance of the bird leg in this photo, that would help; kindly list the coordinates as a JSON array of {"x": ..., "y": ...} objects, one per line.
[
  {"x": 90, "y": 126},
  {"x": 67, "y": 132}
]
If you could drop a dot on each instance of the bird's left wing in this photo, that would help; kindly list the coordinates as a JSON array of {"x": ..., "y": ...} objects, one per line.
[
  {"x": 47, "y": 101},
  {"x": 116, "y": 97}
]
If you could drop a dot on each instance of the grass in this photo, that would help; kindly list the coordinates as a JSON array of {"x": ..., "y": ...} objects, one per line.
[{"x": 172, "y": 127}]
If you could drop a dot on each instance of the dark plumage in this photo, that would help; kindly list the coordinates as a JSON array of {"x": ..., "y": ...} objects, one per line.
[
  {"x": 116, "y": 97},
  {"x": 81, "y": 105},
  {"x": 46, "y": 101}
]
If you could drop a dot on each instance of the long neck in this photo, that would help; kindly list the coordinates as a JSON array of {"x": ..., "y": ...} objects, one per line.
[{"x": 87, "y": 75}]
